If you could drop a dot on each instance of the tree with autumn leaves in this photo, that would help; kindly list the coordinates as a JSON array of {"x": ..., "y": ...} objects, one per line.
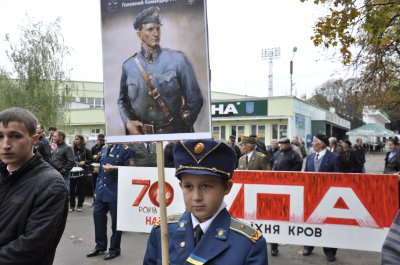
[{"x": 367, "y": 34}]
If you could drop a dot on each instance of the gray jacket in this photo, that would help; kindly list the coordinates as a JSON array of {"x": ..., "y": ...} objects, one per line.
[{"x": 62, "y": 158}]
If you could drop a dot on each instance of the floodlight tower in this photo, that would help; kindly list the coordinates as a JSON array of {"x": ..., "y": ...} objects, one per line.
[{"x": 270, "y": 54}]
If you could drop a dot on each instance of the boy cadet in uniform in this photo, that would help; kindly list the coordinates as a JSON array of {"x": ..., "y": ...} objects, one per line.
[{"x": 206, "y": 233}]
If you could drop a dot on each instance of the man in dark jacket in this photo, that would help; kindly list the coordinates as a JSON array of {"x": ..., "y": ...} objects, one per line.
[
  {"x": 359, "y": 152},
  {"x": 286, "y": 159},
  {"x": 169, "y": 154},
  {"x": 62, "y": 157},
  {"x": 33, "y": 195},
  {"x": 42, "y": 146}
]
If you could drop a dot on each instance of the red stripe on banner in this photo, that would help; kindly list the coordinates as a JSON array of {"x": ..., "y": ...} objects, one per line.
[{"x": 378, "y": 194}]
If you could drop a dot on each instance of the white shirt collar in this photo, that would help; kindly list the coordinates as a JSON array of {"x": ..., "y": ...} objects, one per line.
[
  {"x": 205, "y": 225},
  {"x": 321, "y": 153},
  {"x": 249, "y": 155}
]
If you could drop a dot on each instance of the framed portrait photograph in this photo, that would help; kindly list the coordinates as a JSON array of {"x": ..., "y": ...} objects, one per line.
[{"x": 156, "y": 70}]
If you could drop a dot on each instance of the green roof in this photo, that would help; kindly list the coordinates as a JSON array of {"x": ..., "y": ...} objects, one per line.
[{"x": 371, "y": 129}]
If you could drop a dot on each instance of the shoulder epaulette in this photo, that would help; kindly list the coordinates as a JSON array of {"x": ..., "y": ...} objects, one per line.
[
  {"x": 245, "y": 230},
  {"x": 105, "y": 146},
  {"x": 129, "y": 58},
  {"x": 125, "y": 146},
  {"x": 170, "y": 220}
]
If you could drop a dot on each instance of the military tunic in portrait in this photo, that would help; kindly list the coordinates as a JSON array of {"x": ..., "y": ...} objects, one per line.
[{"x": 173, "y": 76}]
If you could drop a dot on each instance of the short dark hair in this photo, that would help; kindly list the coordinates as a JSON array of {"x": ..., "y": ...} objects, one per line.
[
  {"x": 62, "y": 133},
  {"x": 100, "y": 136},
  {"x": 52, "y": 129},
  {"x": 19, "y": 115}
]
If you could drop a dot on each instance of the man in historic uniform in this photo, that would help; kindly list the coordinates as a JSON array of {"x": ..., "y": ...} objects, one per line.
[
  {"x": 159, "y": 92},
  {"x": 251, "y": 159},
  {"x": 206, "y": 233}
]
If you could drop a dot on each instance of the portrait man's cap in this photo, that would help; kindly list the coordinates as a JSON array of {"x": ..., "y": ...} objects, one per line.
[
  {"x": 232, "y": 138},
  {"x": 204, "y": 157},
  {"x": 248, "y": 140},
  {"x": 322, "y": 138},
  {"x": 284, "y": 140},
  {"x": 149, "y": 15}
]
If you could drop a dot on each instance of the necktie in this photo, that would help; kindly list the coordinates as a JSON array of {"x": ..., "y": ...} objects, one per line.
[
  {"x": 198, "y": 234},
  {"x": 247, "y": 159},
  {"x": 316, "y": 157}
]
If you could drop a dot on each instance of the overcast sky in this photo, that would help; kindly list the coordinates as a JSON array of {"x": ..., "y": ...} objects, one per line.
[{"x": 238, "y": 31}]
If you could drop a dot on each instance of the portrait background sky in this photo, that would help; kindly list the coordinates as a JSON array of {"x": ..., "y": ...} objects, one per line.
[{"x": 238, "y": 30}]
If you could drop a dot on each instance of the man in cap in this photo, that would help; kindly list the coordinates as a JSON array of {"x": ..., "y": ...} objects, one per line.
[
  {"x": 251, "y": 159},
  {"x": 286, "y": 159},
  {"x": 233, "y": 145},
  {"x": 159, "y": 92},
  {"x": 112, "y": 156},
  {"x": 206, "y": 233},
  {"x": 322, "y": 160}
]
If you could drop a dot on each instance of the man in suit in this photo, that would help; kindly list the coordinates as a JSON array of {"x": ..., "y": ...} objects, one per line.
[
  {"x": 106, "y": 199},
  {"x": 206, "y": 233},
  {"x": 251, "y": 159},
  {"x": 322, "y": 160}
]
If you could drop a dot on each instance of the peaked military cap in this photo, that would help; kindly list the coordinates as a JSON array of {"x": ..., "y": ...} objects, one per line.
[
  {"x": 248, "y": 140},
  {"x": 148, "y": 15},
  {"x": 204, "y": 157}
]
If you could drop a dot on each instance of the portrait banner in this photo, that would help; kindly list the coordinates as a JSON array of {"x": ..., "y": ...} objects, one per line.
[
  {"x": 156, "y": 70},
  {"x": 353, "y": 211}
]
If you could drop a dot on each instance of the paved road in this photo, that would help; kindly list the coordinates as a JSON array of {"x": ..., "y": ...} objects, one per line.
[{"x": 78, "y": 239}]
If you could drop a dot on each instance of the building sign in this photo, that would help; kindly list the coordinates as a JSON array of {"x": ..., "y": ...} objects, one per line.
[
  {"x": 353, "y": 211},
  {"x": 239, "y": 108}
]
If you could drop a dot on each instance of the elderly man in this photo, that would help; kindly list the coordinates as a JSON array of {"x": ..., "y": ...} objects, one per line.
[
  {"x": 251, "y": 159},
  {"x": 322, "y": 160},
  {"x": 296, "y": 142},
  {"x": 159, "y": 92}
]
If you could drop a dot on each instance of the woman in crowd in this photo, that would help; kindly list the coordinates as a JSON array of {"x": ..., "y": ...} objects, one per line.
[{"x": 83, "y": 159}]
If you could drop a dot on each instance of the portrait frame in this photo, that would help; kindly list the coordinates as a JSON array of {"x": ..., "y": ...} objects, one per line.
[{"x": 183, "y": 29}]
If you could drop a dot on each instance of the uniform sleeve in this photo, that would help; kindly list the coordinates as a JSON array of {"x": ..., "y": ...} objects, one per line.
[
  {"x": 258, "y": 253},
  {"x": 128, "y": 155},
  {"x": 151, "y": 255},
  {"x": 43, "y": 227},
  {"x": 193, "y": 97},
  {"x": 124, "y": 102},
  {"x": 336, "y": 164},
  {"x": 391, "y": 246}
]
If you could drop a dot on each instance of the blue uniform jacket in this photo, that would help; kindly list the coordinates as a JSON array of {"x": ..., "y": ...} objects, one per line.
[
  {"x": 107, "y": 183},
  {"x": 227, "y": 241},
  {"x": 173, "y": 76},
  {"x": 330, "y": 163}
]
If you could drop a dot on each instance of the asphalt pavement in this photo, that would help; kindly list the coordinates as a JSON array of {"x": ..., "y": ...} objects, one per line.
[{"x": 78, "y": 239}]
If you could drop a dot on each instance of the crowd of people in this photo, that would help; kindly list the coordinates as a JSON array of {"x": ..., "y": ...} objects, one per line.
[{"x": 41, "y": 177}]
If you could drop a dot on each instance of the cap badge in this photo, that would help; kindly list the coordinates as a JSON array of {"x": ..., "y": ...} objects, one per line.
[
  {"x": 182, "y": 244},
  {"x": 198, "y": 148}
]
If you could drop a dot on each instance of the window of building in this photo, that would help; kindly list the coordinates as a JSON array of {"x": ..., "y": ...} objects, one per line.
[
  {"x": 238, "y": 131},
  {"x": 279, "y": 131},
  {"x": 258, "y": 130},
  {"x": 95, "y": 131},
  {"x": 219, "y": 132}
]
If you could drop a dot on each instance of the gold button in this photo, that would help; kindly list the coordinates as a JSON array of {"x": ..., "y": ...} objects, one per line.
[{"x": 150, "y": 108}]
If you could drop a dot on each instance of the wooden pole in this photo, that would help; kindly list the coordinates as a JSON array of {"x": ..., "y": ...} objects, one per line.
[{"x": 163, "y": 207}]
